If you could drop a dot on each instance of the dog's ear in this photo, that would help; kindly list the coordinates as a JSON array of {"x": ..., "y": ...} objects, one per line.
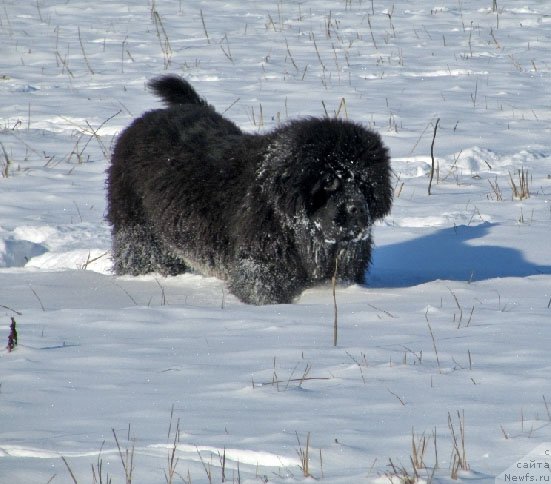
[
  {"x": 377, "y": 189},
  {"x": 277, "y": 159},
  {"x": 295, "y": 155},
  {"x": 374, "y": 174}
]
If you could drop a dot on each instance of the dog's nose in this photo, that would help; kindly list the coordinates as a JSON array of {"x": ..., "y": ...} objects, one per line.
[
  {"x": 354, "y": 209},
  {"x": 358, "y": 210},
  {"x": 353, "y": 215}
]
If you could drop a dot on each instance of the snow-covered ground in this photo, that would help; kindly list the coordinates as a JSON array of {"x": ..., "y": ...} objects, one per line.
[{"x": 452, "y": 329}]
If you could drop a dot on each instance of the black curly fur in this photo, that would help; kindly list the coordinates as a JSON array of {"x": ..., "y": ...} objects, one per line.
[
  {"x": 172, "y": 90},
  {"x": 188, "y": 190}
]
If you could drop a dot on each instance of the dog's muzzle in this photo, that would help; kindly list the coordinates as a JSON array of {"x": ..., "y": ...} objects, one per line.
[{"x": 352, "y": 218}]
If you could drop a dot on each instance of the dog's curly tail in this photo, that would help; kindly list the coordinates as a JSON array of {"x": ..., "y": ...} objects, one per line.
[{"x": 174, "y": 90}]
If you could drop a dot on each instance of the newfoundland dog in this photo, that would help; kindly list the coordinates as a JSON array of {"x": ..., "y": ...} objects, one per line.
[{"x": 271, "y": 214}]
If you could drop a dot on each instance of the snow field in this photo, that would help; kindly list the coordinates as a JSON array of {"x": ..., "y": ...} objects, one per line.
[{"x": 455, "y": 313}]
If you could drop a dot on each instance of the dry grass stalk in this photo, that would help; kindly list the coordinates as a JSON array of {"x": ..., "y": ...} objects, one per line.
[
  {"x": 37, "y": 297},
  {"x": 521, "y": 189},
  {"x": 19, "y": 313},
  {"x": 459, "y": 455},
  {"x": 204, "y": 26},
  {"x": 335, "y": 309},
  {"x": 206, "y": 467},
  {"x": 74, "y": 479},
  {"x": 84, "y": 53},
  {"x": 505, "y": 433},
  {"x": 127, "y": 456},
  {"x": 89, "y": 260},
  {"x": 342, "y": 107},
  {"x": 398, "y": 189},
  {"x": 432, "y": 154},
  {"x": 291, "y": 55},
  {"x": 92, "y": 133},
  {"x": 7, "y": 162},
  {"x": 222, "y": 458},
  {"x": 434, "y": 345},
  {"x": 545, "y": 402},
  {"x": 401, "y": 473},
  {"x": 161, "y": 35},
  {"x": 63, "y": 62},
  {"x": 304, "y": 455},
  {"x": 418, "y": 448},
  {"x": 460, "y": 319},
  {"x": 496, "y": 190},
  {"x": 227, "y": 51},
  {"x": 401, "y": 400},
  {"x": 172, "y": 460},
  {"x": 355, "y": 360},
  {"x": 98, "y": 477}
]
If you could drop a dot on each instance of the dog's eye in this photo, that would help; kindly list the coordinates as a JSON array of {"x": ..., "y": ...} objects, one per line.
[
  {"x": 321, "y": 192},
  {"x": 317, "y": 200},
  {"x": 332, "y": 185}
]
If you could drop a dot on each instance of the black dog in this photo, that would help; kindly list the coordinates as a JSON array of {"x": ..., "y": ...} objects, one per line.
[{"x": 271, "y": 214}]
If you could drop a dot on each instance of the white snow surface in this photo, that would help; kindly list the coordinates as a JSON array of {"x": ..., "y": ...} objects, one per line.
[{"x": 452, "y": 326}]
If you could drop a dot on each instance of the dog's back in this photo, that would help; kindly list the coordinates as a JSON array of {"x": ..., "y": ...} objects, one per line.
[
  {"x": 168, "y": 170},
  {"x": 174, "y": 90}
]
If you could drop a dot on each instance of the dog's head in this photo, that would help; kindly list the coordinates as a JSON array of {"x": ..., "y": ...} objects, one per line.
[{"x": 329, "y": 180}]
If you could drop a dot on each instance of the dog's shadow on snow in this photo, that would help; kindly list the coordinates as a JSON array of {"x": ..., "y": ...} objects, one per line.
[{"x": 447, "y": 255}]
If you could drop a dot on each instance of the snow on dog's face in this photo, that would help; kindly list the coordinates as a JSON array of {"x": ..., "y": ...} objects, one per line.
[
  {"x": 336, "y": 207},
  {"x": 328, "y": 184}
]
